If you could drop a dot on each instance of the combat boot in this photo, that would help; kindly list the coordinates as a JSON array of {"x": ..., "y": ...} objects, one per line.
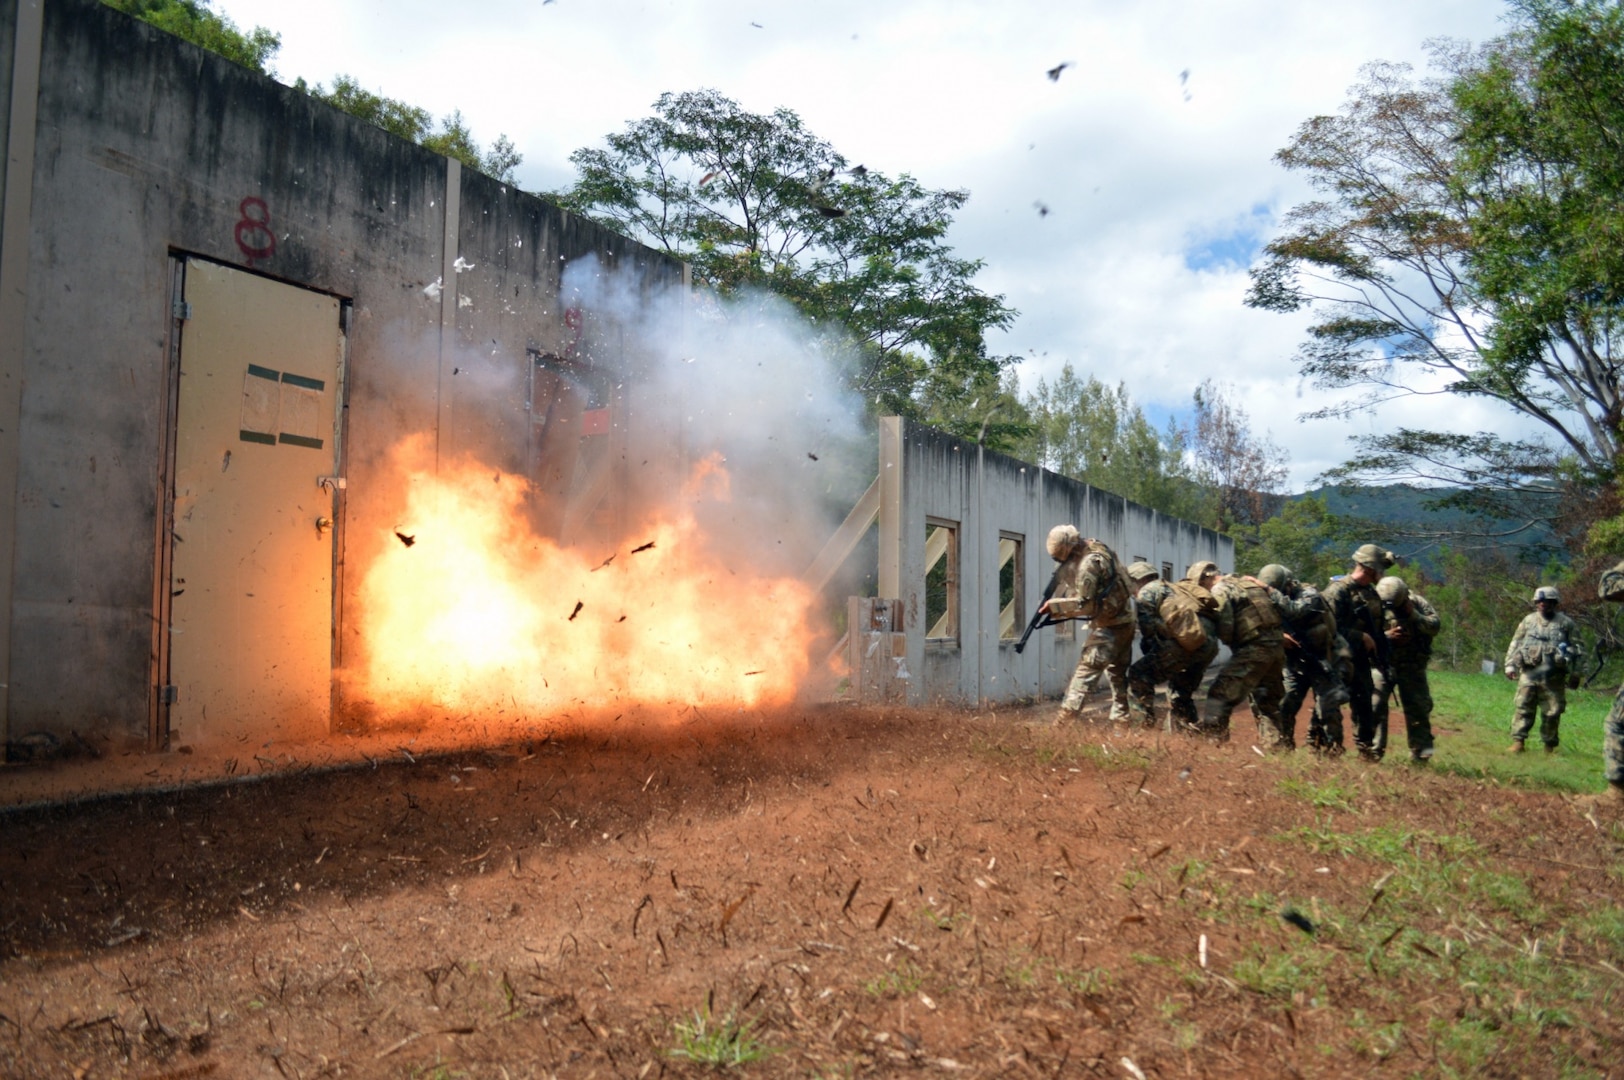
[{"x": 1516, "y": 747}]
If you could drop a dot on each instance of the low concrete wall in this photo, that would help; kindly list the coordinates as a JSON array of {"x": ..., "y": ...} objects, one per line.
[{"x": 987, "y": 495}]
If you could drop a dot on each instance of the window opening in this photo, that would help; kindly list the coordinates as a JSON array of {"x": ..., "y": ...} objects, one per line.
[
  {"x": 1011, "y": 586},
  {"x": 941, "y": 580}
]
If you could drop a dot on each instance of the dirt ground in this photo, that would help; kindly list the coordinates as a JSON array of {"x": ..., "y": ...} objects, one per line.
[{"x": 874, "y": 890}]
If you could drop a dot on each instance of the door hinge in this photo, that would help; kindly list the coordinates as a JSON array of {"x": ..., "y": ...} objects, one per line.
[
  {"x": 332, "y": 483},
  {"x": 182, "y": 310},
  {"x": 169, "y": 694}
]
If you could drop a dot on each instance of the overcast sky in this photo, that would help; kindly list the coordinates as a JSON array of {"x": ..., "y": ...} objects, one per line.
[{"x": 1152, "y": 151}]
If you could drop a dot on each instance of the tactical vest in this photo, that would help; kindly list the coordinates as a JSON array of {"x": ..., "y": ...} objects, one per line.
[
  {"x": 1102, "y": 588},
  {"x": 1254, "y": 611}
]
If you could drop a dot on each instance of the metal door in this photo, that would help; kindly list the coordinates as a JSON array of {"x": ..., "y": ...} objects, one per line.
[{"x": 252, "y": 539}]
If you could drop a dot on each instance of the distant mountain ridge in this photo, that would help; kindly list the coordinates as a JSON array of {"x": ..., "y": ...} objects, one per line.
[{"x": 1404, "y": 509}]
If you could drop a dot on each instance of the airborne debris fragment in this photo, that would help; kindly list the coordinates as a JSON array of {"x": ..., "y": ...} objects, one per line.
[
  {"x": 1054, "y": 72},
  {"x": 403, "y": 538},
  {"x": 601, "y": 565},
  {"x": 578, "y": 606},
  {"x": 831, "y": 211},
  {"x": 643, "y": 547},
  {"x": 1042, "y": 208},
  {"x": 763, "y": 671},
  {"x": 811, "y": 455},
  {"x": 1298, "y": 919}
]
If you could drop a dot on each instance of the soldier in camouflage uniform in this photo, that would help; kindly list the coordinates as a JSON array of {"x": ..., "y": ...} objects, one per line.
[
  {"x": 1361, "y": 626},
  {"x": 1250, "y": 620},
  {"x": 1092, "y": 586},
  {"x": 1612, "y": 744},
  {"x": 1311, "y": 654},
  {"x": 1162, "y": 658},
  {"x": 1542, "y": 657},
  {"x": 1411, "y": 624}
]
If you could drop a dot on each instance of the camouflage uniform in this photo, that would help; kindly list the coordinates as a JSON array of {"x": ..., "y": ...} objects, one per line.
[
  {"x": 1312, "y": 665},
  {"x": 1410, "y": 652},
  {"x": 1250, "y": 620},
  {"x": 1612, "y": 744},
  {"x": 1358, "y": 611},
  {"x": 1164, "y": 660},
  {"x": 1089, "y": 572},
  {"x": 1541, "y": 655}
]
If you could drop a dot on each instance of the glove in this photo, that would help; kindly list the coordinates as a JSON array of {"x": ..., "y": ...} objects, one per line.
[
  {"x": 1511, "y": 673},
  {"x": 1573, "y": 681}
]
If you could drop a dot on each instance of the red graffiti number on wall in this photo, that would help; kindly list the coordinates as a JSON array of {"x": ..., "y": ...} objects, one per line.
[
  {"x": 575, "y": 320},
  {"x": 254, "y": 237}
]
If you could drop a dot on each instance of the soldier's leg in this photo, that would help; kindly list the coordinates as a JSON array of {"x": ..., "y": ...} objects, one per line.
[
  {"x": 1554, "y": 701},
  {"x": 1272, "y": 729},
  {"x": 1612, "y": 747},
  {"x": 1237, "y": 679},
  {"x": 1185, "y": 679},
  {"x": 1361, "y": 709},
  {"x": 1295, "y": 683},
  {"x": 1142, "y": 680},
  {"x": 1522, "y": 711},
  {"x": 1415, "y": 696},
  {"x": 1381, "y": 696},
  {"x": 1119, "y": 652},
  {"x": 1328, "y": 705}
]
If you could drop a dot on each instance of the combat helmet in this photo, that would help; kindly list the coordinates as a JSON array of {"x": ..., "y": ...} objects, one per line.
[
  {"x": 1369, "y": 555},
  {"x": 1141, "y": 571},
  {"x": 1063, "y": 540},
  {"x": 1275, "y": 576},
  {"x": 1393, "y": 590},
  {"x": 1547, "y": 592},
  {"x": 1200, "y": 569}
]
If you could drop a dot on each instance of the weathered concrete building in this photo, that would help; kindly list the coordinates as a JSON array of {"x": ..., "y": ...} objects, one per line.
[{"x": 223, "y": 302}]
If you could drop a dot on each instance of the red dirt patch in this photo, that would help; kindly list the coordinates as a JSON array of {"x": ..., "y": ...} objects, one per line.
[{"x": 876, "y": 890}]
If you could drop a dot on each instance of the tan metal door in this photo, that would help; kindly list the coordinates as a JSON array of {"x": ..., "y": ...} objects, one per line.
[{"x": 251, "y": 609}]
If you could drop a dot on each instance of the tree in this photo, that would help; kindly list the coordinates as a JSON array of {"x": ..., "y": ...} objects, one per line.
[
  {"x": 758, "y": 201},
  {"x": 1468, "y": 243},
  {"x": 450, "y": 136},
  {"x": 1246, "y": 473},
  {"x": 1092, "y": 432},
  {"x": 193, "y": 21},
  {"x": 1305, "y": 537}
]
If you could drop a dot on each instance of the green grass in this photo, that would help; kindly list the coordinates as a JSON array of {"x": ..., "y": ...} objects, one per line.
[
  {"x": 723, "y": 1043},
  {"x": 1472, "y": 720}
]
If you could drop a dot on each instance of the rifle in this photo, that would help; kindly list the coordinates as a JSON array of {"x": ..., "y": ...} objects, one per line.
[{"x": 1040, "y": 618}]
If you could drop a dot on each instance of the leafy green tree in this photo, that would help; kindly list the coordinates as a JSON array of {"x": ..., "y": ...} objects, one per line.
[
  {"x": 758, "y": 201},
  {"x": 1468, "y": 242},
  {"x": 1093, "y": 432},
  {"x": 193, "y": 21},
  {"x": 1305, "y": 537},
  {"x": 449, "y": 136}
]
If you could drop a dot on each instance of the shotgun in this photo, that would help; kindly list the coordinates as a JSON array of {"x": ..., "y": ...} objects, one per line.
[{"x": 1040, "y": 618}]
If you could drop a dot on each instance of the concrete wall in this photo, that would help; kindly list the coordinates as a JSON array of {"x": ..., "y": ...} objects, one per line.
[
  {"x": 145, "y": 149},
  {"x": 934, "y": 475}
]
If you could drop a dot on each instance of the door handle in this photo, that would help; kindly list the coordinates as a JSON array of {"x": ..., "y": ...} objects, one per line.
[{"x": 323, "y": 524}]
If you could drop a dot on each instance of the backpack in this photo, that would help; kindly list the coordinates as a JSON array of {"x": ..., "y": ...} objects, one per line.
[{"x": 1182, "y": 611}]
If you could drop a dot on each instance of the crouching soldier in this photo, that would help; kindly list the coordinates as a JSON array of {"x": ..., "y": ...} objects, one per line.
[
  {"x": 1311, "y": 654},
  {"x": 1612, "y": 741},
  {"x": 1250, "y": 620},
  {"x": 1178, "y": 637},
  {"x": 1090, "y": 585},
  {"x": 1542, "y": 657},
  {"x": 1412, "y": 623}
]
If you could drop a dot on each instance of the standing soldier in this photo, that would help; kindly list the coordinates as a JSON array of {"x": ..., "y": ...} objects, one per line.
[
  {"x": 1177, "y": 640},
  {"x": 1250, "y": 620},
  {"x": 1412, "y": 623},
  {"x": 1359, "y": 623},
  {"x": 1543, "y": 655},
  {"x": 1311, "y": 654},
  {"x": 1612, "y": 740},
  {"x": 1091, "y": 585}
]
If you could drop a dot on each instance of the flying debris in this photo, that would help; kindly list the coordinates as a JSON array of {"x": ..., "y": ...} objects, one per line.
[
  {"x": 1054, "y": 72},
  {"x": 707, "y": 178},
  {"x": 1184, "y": 81},
  {"x": 601, "y": 565},
  {"x": 403, "y": 538},
  {"x": 761, "y": 672},
  {"x": 644, "y": 547},
  {"x": 578, "y": 606},
  {"x": 860, "y": 172},
  {"x": 831, "y": 211},
  {"x": 811, "y": 455},
  {"x": 1298, "y": 919},
  {"x": 1042, "y": 208},
  {"x": 758, "y": 26}
]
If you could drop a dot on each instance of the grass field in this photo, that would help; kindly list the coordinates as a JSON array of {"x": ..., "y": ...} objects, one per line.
[{"x": 1472, "y": 721}]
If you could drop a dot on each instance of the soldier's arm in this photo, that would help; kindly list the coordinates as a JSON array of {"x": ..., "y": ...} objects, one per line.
[
  {"x": 1424, "y": 617},
  {"x": 1514, "y": 650},
  {"x": 1612, "y": 584}
]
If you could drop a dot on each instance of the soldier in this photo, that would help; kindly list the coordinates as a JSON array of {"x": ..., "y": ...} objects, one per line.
[
  {"x": 1250, "y": 620},
  {"x": 1177, "y": 640},
  {"x": 1411, "y": 624},
  {"x": 1311, "y": 654},
  {"x": 1612, "y": 741},
  {"x": 1091, "y": 585},
  {"x": 1543, "y": 655},
  {"x": 1359, "y": 623}
]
